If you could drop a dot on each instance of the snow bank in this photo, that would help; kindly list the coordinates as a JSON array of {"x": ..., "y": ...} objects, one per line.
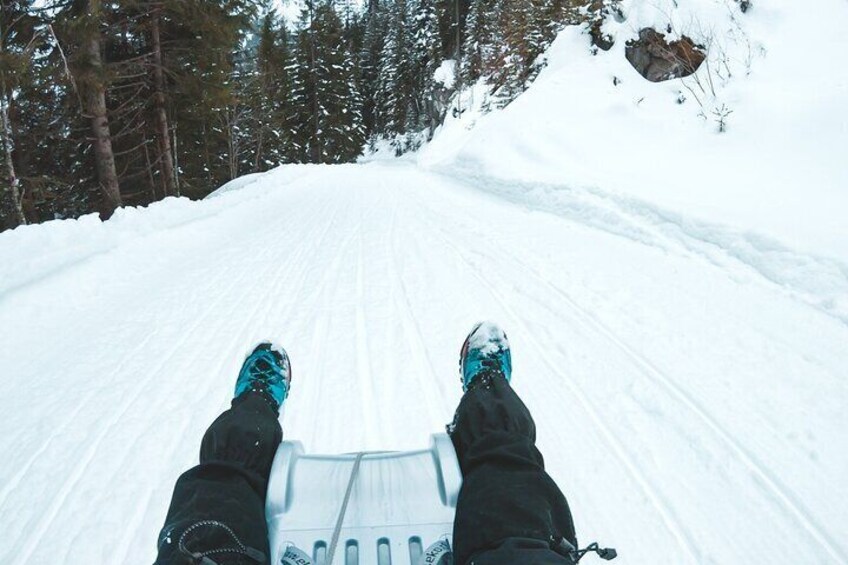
[
  {"x": 590, "y": 120},
  {"x": 237, "y": 184},
  {"x": 34, "y": 252}
]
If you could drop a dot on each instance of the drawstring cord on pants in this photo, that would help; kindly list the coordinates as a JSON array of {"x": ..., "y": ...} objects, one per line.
[
  {"x": 202, "y": 557},
  {"x": 566, "y": 549}
]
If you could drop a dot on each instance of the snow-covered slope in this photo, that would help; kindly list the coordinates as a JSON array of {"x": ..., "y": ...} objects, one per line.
[
  {"x": 690, "y": 408},
  {"x": 676, "y": 299},
  {"x": 780, "y": 170}
]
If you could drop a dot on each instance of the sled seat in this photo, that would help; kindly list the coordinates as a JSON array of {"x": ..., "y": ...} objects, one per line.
[{"x": 400, "y": 504}]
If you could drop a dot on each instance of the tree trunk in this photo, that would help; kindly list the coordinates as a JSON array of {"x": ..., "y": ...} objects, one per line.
[
  {"x": 94, "y": 100},
  {"x": 314, "y": 148},
  {"x": 13, "y": 189},
  {"x": 431, "y": 114},
  {"x": 232, "y": 118},
  {"x": 166, "y": 160},
  {"x": 257, "y": 166},
  {"x": 260, "y": 134},
  {"x": 151, "y": 182},
  {"x": 176, "y": 160}
]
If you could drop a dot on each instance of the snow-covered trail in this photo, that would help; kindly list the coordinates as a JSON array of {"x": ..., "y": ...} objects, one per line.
[{"x": 692, "y": 410}]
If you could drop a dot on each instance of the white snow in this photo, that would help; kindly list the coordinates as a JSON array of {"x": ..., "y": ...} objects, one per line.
[
  {"x": 487, "y": 337},
  {"x": 446, "y": 73},
  {"x": 678, "y": 329},
  {"x": 779, "y": 170},
  {"x": 690, "y": 408}
]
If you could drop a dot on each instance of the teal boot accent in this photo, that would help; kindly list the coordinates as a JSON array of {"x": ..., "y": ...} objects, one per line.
[
  {"x": 485, "y": 351},
  {"x": 266, "y": 370}
]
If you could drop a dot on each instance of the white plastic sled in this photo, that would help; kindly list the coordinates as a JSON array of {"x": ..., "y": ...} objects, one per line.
[{"x": 369, "y": 508}]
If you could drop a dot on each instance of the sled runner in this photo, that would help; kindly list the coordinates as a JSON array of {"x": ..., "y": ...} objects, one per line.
[{"x": 368, "y": 508}]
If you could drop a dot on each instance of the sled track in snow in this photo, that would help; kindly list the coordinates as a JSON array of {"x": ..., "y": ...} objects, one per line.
[
  {"x": 672, "y": 523},
  {"x": 426, "y": 372},
  {"x": 789, "y": 500},
  {"x": 237, "y": 344},
  {"x": 649, "y": 224},
  {"x": 15, "y": 480},
  {"x": 141, "y": 386},
  {"x": 590, "y": 321},
  {"x": 370, "y": 275}
]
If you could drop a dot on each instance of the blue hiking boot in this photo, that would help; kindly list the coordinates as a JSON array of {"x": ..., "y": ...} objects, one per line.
[
  {"x": 485, "y": 352},
  {"x": 266, "y": 370}
]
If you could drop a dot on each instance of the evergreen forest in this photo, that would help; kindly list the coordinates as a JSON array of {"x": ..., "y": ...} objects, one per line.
[{"x": 108, "y": 104}]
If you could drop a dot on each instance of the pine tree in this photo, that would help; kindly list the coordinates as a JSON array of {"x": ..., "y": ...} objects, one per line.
[
  {"x": 82, "y": 22},
  {"x": 300, "y": 115},
  {"x": 477, "y": 42},
  {"x": 270, "y": 94},
  {"x": 394, "y": 84},
  {"x": 326, "y": 103},
  {"x": 18, "y": 36},
  {"x": 200, "y": 40},
  {"x": 351, "y": 125},
  {"x": 522, "y": 31},
  {"x": 52, "y": 153},
  {"x": 427, "y": 48},
  {"x": 369, "y": 63},
  {"x": 303, "y": 119},
  {"x": 163, "y": 132}
]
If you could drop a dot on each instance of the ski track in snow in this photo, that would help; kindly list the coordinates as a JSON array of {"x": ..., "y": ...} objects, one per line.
[
  {"x": 370, "y": 276},
  {"x": 671, "y": 522},
  {"x": 591, "y": 322},
  {"x": 11, "y": 484},
  {"x": 820, "y": 282},
  {"x": 139, "y": 388}
]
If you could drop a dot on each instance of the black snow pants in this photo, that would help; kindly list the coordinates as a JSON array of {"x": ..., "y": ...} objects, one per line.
[
  {"x": 218, "y": 508},
  {"x": 508, "y": 512}
]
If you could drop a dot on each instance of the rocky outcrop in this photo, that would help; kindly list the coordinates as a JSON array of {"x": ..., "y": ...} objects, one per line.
[
  {"x": 599, "y": 11},
  {"x": 657, "y": 60},
  {"x": 600, "y": 39}
]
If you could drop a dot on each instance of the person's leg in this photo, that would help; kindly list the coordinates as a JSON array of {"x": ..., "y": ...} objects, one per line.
[
  {"x": 509, "y": 508},
  {"x": 217, "y": 512},
  {"x": 218, "y": 508}
]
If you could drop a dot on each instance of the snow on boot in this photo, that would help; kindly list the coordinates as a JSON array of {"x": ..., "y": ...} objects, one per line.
[
  {"x": 485, "y": 352},
  {"x": 266, "y": 370}
]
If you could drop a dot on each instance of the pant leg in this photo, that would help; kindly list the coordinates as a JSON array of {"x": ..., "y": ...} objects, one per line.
[
  {"x": 218, "y": 507},
  {"x": 509, "y": 508}
]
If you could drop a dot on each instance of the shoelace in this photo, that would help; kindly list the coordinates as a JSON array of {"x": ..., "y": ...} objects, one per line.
[
  {"x": 491, "y": 362},
  {"x": 489, "y": 368},
  {"x": 271, "y": 374}
]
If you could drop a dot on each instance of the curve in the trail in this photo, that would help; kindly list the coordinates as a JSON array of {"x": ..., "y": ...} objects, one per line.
[{"x": 370, "y": 276}]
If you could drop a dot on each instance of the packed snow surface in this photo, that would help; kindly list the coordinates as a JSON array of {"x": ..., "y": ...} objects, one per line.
[
  {"x": 692, "y": 409},
  {"x": 676, "y": 301}
]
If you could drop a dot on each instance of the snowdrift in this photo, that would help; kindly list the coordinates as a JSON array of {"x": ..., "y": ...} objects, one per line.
[{"x": 590, "y": 120}]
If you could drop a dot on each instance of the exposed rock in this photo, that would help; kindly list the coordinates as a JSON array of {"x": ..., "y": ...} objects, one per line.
[
  {"x": 600, "y": 11},
  {"x": 657, "y": 60},
  {"x": 599, "y": 38}
]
